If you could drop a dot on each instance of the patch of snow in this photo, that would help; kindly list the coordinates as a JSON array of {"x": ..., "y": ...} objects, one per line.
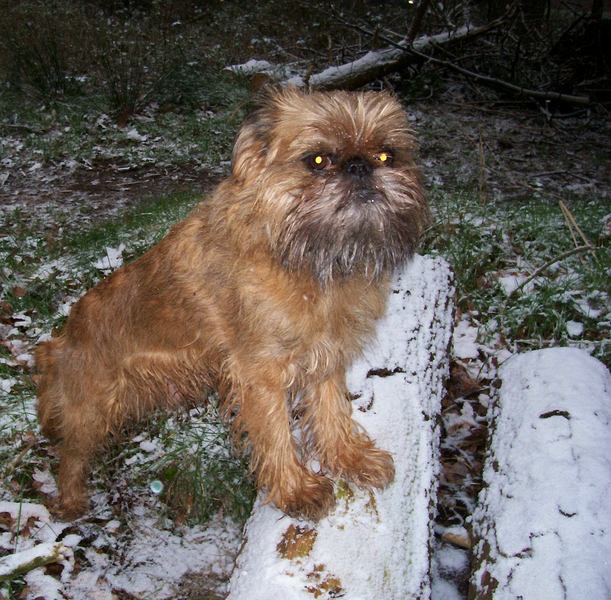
[
  {"x": 148, "y": 445},
  {"x": 112, "y": 260},
  {"x": 43, "y": 586},
  {"x": 152, "y": 562},
  {"x": 543, "y": 525},
  {"x": 21, "y": 320},
  {"x": 465, "y": 339},
  {"x": 593, "y": 305},
  {"x": 46, "y": 482},
  {"x": 444, "y": 590},
  {"x": 132, "y": 134},
  {"x": 72, "y": 540},
  {"x": 574, "y": 328},
  {"x": 449, "y": 564},
  {"x": 157, "y": 559},
  {"x": 252, "y": 66},
  {"x": 6, "y": 385},
  {"x": 511, "y": 281},
  {"x": 65, "y": 307}
]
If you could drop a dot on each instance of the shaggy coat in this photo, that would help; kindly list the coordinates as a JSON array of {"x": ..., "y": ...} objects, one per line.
[{"x": 266, "y": 292}]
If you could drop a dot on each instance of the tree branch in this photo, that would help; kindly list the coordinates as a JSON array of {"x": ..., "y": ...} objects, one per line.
[
  {"x": 549, "y": 263},
  {"x": 493, "y": 81},
  {"x": 376, "y": 64}
]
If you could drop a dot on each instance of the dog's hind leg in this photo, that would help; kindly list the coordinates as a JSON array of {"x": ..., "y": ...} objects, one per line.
[
  {"x": 65, "y": 413},
  {"x": 86, "y": 424},
  {"x": 48, "y": 383}
]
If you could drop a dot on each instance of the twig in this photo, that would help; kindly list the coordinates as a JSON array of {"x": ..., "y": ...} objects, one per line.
[
  {"x": 27, "y": 128},
  {"x": 569, "y": 217},
  {"x": 569, "y": 173},
  {"x": 493, "y": 81},
  {"x": 482, "y": 170},
  {"x": 14, "y": 463},
  {"x": 549, "y": 263},
  {"x": 18, "y": 563},
  {"x": 569, "y": 224},
  {"x": 574, "y": 227}
]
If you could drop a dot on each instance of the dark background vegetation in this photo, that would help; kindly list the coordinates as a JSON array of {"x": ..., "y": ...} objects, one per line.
[{"x": 126, "y": 54}]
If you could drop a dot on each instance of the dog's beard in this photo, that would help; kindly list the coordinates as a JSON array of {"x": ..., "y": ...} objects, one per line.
[{"x": 340, "y": 226}]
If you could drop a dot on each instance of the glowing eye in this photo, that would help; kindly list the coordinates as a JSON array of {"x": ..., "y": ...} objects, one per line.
[
  {"x": 318, "y": 162},
  {"x": 384, "y": 157}
]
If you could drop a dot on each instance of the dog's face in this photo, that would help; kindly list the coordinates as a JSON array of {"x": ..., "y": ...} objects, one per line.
[{"x": 334, "y": 181}]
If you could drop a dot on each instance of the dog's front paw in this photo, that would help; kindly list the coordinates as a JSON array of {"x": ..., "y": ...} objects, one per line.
[
  {"x": 311, "y": 498},
  {"x": 364, "y": 464},
  {"x": 375, "y": 468}
]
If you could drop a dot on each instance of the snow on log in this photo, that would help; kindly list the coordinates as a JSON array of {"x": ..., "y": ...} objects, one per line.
[
  {"x": 376, "y": 63},
  {"x": 374, "y": 544},
  {"x": 18, "y": 563},
  {"x": 373, "y": 65},
  {"x": 543, "y": 526}
]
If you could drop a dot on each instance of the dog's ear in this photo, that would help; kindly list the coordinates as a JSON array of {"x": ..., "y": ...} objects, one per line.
[
  {"x": 253, "y": 146},
  {"x": 249, "y": 149}
]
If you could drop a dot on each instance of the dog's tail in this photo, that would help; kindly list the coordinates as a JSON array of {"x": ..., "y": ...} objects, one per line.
[{"x": 48, "y": 383}]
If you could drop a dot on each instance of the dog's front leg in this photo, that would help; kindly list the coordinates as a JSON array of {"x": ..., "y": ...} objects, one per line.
[
  {"x": 264, "y": 415},
  {"x": 342, "y": 446}
]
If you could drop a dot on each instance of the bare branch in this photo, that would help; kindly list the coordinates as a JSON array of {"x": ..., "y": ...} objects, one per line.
[
  {"x": 494, "y": 82},
  {"x": 548, "y": 264}
]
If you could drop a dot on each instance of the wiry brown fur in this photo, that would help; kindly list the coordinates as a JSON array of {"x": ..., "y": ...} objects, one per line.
[{"x": 266, "y": 292}]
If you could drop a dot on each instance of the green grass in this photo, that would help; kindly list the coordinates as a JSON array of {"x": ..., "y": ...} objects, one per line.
[
  {"x": 199, "y": 470},
  {"x": 69, "y": 259},
  {"x": 83, "y": 130},
  {"x": 200, "y": 473},
  {"x": 483, "y": 242}
]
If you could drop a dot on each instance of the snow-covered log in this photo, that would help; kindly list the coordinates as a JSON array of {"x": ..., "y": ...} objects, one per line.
[
  {"x": 373, "y": 65},
  {"x": 543, "y": 524},
  {"x": 18, "y": 563},
  {"x": 374, "y": 544}
]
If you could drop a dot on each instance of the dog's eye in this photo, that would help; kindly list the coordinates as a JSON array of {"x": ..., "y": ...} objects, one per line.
[
  {"x": 318, "y": 161},
  {"x": 384, "y": 158}
]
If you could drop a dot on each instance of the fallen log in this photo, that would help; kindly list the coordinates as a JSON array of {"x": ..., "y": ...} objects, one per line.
[
  {"x": 542, "y": 527},
  {"x": 373, "y": 544},
  {"x": 379, "y": 63},
  {"x": 19, "y": 563},
  {"x": 371, "y": 66}
]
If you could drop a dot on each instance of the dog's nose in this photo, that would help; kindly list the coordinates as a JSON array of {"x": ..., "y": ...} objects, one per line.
[{"x": 357, "y": 167}]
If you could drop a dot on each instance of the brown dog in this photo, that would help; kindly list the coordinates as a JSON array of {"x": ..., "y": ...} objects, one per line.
[{"x": 266, "y": 292}]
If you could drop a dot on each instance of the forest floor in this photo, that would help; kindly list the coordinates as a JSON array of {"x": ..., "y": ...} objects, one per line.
[
  {"x": 481, "y": 161},
  {"x": 499, "y": 152}
]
